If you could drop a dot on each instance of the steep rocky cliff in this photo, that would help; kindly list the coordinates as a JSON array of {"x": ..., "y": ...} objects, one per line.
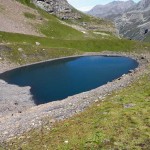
[{"x": 60, "y": 8}]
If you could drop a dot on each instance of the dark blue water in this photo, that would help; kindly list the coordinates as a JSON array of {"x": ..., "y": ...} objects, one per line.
[{"x": 56, "y": 80}]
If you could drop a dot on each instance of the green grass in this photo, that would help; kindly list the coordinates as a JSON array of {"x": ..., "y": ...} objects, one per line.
[
  {"x": 53, "y": 28},
  {"x": 29, "y": 53},
  {"x": 27, "y": 3},
  {"x": 56, "y": 47},
  {"x": 1, "y": 148},
  {"x": 29, "y": 15},
  {"x": 89, "y": 45},
  {"x": 1, "y": 8},
  {"x": 105, "y": 125}
]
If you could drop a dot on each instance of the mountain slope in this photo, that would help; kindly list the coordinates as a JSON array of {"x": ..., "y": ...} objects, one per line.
[
  {"x": 135, "y": 24},
  {"x": 132, "y": 20},
  {"x": 55, "y": 36}
]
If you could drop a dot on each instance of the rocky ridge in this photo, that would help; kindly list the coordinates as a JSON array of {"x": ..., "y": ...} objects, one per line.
[{"x": 60, "y": 8}]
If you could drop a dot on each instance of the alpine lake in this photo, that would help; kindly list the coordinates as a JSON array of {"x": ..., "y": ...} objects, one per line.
[{"x": 57, "y": 79}]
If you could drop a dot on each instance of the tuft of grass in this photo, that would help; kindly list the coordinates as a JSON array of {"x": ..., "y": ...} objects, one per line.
[
  {"x": 1, "y": 8},
  {"x": 29, "y": 15},
  {"x": 1, "y": 148},
  {"x": 105, "y": 125}
]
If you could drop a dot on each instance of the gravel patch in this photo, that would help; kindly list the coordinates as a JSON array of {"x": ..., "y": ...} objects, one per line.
[
  {"x": 27, "y": 119},
  {"x": 12, "y": 18}
]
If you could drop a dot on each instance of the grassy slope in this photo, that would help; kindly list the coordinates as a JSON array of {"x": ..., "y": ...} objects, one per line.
[
  {"x": 56, "y": 47},
  {"x": 105, "y": 125},
  {"x": 61, "y": 40}
]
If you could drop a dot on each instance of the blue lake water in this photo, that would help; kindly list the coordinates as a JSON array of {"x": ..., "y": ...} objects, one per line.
[{"x": 56, "y": 80}]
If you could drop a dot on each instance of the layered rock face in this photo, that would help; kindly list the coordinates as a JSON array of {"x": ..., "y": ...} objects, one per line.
[{"x": 60, "y": 8}]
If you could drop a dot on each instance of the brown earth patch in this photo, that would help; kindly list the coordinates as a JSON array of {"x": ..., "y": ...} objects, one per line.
[{"x": 12, "y": 18}]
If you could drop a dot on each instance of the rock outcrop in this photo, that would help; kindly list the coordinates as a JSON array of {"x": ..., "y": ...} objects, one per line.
[{"x": 60, "y": 8}]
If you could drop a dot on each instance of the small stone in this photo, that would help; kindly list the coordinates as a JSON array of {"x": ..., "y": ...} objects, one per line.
[
  {"x": 96, "y": 101},
  {"x": 100, "y": 97},
  {"x": 20, "y": 49},
  {"x": 105, "y": 113},
  {"x": 130, "y": 71},
  {"x": 37, "y": 43},
  {"x": 66, "y": 142},
  {"x": 52, "y": 121},
  {"x": 5, "y": 133},
  {"x": 85, "y": 97},
  {"x": 128, "y": 105}
]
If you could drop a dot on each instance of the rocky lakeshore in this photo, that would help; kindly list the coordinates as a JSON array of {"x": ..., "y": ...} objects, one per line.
[
  {"x": 19, "y": 114},
  {"x": 13, "y": 99}
]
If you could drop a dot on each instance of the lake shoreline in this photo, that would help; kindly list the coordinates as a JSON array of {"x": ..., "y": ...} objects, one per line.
[{"x": 24, "y": 115}]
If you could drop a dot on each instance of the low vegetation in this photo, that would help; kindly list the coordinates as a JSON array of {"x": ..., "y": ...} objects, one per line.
[
  {"x": 29, "y": 15},
  {"x": 24, "y": 48}
]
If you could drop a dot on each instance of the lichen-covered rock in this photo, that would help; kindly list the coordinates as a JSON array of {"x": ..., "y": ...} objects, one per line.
[{"x": 60, "y": 8}]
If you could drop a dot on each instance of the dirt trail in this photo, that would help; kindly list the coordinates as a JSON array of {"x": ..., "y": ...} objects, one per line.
[{"x": 12, "y": 18}]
